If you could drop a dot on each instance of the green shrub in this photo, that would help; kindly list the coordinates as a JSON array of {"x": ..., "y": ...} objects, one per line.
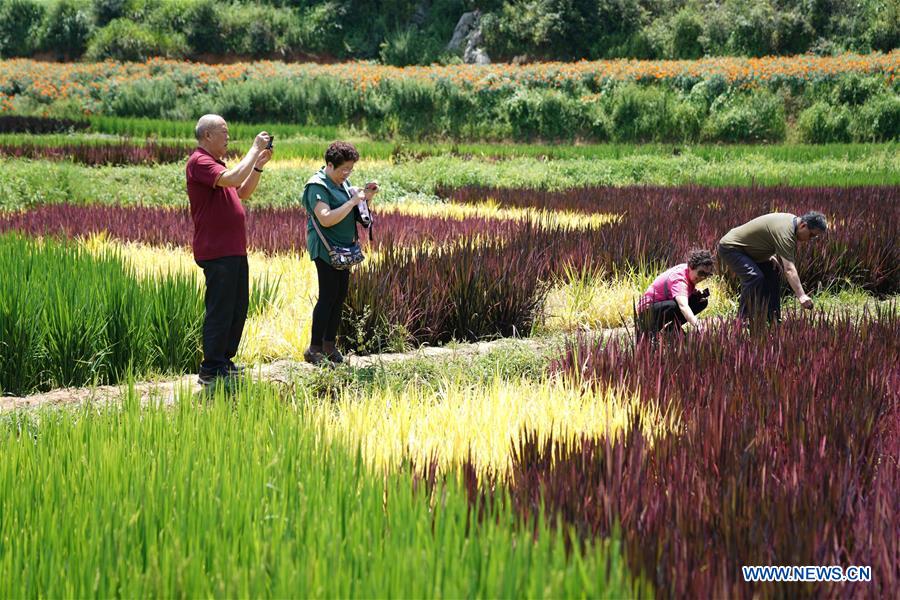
[
  {"x": 20, "y": 24},
  {"x": 756, "y": 116},
  {"x": 546, "y": 114},
  {"x": 67, "y": 29},
  {"x": 204, "y": 28},
  {"x": 413, "y": 106},
  {"x": 855, "y": 89},
  {"x": 153, "y": 98},
  {"x": 793, "y": 33},
  {"x": 640, "y": 114},
  {"x": 687, "y": 28},
  {"x": 124, "y": 40},
  {"x": 410, "y": 47},
  {"x": 823, "y": 123},
  {"x": 878, "y": 120}
]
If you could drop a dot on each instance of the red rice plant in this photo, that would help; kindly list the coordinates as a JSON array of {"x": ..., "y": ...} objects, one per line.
[
  {"x": 661, "y": 224},
  {"x": 467, "y": 291},
  {"x": 39, "y": 125},
  {"x": 271, "y": 230},
  {"x": 787, "y": 455},
  {"x": 118, "y": 153}
]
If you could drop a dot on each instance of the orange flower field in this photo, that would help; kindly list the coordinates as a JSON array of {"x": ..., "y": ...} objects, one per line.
[{"x": 48, "y": 81}]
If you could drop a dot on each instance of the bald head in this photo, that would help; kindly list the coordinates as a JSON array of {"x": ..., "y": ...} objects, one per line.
[{"x": 207, "y": 123}]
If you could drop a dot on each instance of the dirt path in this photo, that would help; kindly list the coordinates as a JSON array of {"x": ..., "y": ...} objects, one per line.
[{"x": 167, "y": 390}]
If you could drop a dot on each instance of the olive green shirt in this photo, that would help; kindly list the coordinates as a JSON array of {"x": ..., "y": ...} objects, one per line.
[
  {"x": 770, "y": 235},
  {"x": 320, "y": 188}
]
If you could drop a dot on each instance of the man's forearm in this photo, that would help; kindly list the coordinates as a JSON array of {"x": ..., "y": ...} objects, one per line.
[
  {"x": 249, "y": 186},
  {"x": 238, "y": 174},
  {"x": 793, "y": 279}
]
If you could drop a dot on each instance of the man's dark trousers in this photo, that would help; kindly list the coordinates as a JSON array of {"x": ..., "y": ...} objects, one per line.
[
  {"x": 760, "y": 285},
  {"x": 227, "y": 299}
]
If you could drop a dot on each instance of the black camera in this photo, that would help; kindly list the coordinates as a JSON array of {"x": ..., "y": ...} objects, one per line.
[
  {"x": 271, "y": 142},
  {"x": 704, "y": 293}
]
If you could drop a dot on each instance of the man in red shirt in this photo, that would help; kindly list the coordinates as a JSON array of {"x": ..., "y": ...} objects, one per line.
[{"x": 220, "y": 238}]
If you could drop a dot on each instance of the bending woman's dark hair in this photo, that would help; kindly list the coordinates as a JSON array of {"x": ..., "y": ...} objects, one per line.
[{"x": 699, "y": 258}]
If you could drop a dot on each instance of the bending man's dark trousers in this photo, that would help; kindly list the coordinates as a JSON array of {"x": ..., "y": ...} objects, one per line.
[
  {"x": 760, "y": 285},
  {"x": 666, "y": 316},
  {"x": 333, "y": 286},
  {"x": 227, "y": 298}
]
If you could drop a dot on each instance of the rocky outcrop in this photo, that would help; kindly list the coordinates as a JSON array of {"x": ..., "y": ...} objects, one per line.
[{"x": 467, "y": 37}]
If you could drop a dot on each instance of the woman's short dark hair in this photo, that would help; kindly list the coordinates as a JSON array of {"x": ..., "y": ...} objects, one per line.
[
  {"x": 699, "y": 258},
  {"x": 340, "y": 152}
]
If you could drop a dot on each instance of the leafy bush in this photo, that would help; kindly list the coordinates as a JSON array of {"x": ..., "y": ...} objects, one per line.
[
  {"x": 641, "y": 114},
  {"x": 757, "y": 116},
  {"x": 878, "y": 120},
  {"x": 855, "y": 89},
  {"x": 125, "y": 40},
  {"x": 687, "y": 29},
  {"x": 20, "y": 23},
  {"x": 823, "y": 123},
  {"x": 410, "y": 47},
  {"x": 547, "y": 114},
  {"x": 144, "y": 98},
  {"x": 67, "y": 29}
]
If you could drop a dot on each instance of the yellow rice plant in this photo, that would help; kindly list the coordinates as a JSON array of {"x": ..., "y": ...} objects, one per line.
[
  {"x": 586, "y": 301},
  {"x": 282, "y": 330},
  {"x": 454, "y": 422},
  {"x": 491, "y": 210}
]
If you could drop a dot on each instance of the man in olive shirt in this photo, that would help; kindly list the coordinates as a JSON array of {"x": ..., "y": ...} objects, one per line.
[{"x": 759, "y": 250}]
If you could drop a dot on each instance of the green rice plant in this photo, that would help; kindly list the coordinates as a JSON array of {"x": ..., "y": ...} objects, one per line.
[
  {"x": 242, "y": 495},
  {"x": 164, "y": 128},
  {"x": 69, "y": 318},
  {"x": 263, "y": 293}
]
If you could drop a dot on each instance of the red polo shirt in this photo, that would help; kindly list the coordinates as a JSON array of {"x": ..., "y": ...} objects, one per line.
[{"x": 220, "y": 227}]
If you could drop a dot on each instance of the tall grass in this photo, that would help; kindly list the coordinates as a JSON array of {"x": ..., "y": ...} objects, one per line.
[
  {"x": 69, "y": 318},
  {"x": 244, "y": 497}
]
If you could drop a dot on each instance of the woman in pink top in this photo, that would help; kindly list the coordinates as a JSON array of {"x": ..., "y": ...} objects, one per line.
[{"x": 672, "y": 299}]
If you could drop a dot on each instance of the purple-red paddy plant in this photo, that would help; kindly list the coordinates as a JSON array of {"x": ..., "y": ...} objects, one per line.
[
  {"x": 38, "y": 125},
  {"x": 786, "y": 453},
  {"x": 467, "y": 290},
  {"x": 661, "y": 224},
  {"x": 271, "y": 230},
  {"x": 117, "y": 153}
]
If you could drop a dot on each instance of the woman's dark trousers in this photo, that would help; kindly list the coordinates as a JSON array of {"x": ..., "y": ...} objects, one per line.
[
  {"x": 333, "y": 286},
  {"x": 666, "y": 316},
  {"x": 227, "y": 298},
  {"x": 760, "y": 285}
]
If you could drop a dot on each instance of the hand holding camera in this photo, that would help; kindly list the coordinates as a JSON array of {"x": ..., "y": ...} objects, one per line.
[
  {"x": 262, "y": 141},
  {"x": 371, "y": 189}
]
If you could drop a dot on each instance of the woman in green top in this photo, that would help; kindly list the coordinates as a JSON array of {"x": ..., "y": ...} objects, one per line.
[{"x": 329, "y": 198}]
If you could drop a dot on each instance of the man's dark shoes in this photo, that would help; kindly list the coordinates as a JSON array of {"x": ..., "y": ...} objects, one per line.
[
  {"x": 331, "y": 351},
  {"x": 315, "y": 356},
  {"x": 234, "y": 370}
]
